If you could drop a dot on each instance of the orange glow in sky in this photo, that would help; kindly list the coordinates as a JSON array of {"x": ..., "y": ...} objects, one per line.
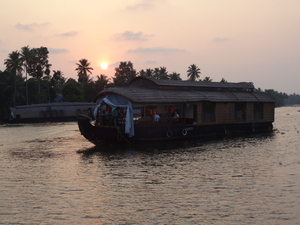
[{"x": 241, "y": 41}]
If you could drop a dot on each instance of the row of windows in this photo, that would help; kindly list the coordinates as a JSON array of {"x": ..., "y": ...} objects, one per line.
[{"x": 208, "y": 111}]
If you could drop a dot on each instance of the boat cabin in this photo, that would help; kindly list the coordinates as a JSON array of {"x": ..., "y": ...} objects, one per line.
[{"x": 192, "y": 103}]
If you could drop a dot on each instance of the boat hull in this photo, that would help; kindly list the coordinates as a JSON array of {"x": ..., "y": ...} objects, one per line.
[{"x": 163, "y": 132}]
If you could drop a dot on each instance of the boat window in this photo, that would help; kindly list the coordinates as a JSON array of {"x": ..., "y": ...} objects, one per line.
[
  {"x": 137, "y": 113},
  {"x": 240, "y": 111},
  {"x": 151, "y": 110},
  {"x": 208, "y": 112},
  {"x": 258, "y": 110}
]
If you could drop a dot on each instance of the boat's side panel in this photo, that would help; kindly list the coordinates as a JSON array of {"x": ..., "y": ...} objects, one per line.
[
  {"x": 225, "y": 113},
  {"x": 155, "y": 132},
  {"x": 269, "y": 111},
  {"x": 196, "y": 131}
]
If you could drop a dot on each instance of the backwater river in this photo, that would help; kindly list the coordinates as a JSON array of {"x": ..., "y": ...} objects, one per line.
[{"x": 50, "y": 174}]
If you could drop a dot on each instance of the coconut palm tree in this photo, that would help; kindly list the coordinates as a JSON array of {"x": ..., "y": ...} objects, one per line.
[
  {"x": 57, "y": 80},
  {"x": 156, "y": 73},
  {"x": 193, "y": 72},
  {"x": 38, "y": 66},
  {"x": 175, "y": 76},
  {"x": 207, "y": 79},
  {"x": 163, "y": 73},
  {"x": 27, "y": 56},
  {"x": 7, "y": 86},
  {"x": 149, "y": 73},
  {"x": 83, "y": 71},
  {"x": 14, "y": 66},
  {"x": 124, "y": 74},
  {"x": 47, "y": 79},
  {"x": 6, "y": 89},
  {"x": 142, "y": 73},
  {"x": 101, "y": 82},
  {"x": 57, "y": 75}
]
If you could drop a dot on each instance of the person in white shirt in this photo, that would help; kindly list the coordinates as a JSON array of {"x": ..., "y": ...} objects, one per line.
[
  {"x": 176, "y": 115},
  {"x": 156, "y": 117}
]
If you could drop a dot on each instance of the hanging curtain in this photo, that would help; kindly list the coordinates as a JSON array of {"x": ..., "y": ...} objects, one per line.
[{"x": 122, "y": 102}]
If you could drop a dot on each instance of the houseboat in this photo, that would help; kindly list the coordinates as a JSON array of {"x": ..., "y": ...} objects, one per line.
[
  {"x": 154, "y": 110},
  {"x": 51, "y": 112}
]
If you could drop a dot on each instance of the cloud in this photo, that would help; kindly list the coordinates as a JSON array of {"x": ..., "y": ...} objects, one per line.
[
  {"x": 68, "y": 34},
  {"x": 3, "y": 51},
  {"x": 58, "y": 50},
  {"x": 218, "y": 39},
  {"x": 145, "y": 5},
  {"x": 142, "y": 5},
  {"x": 155, "y": 50},
  {"x": 73, "y": 62},
  {"x": 116, "y": 64},
  {"x": 131, "y": 36},
  {"x": 30, "y": 27},
  {"x": 150, "y": 62}
]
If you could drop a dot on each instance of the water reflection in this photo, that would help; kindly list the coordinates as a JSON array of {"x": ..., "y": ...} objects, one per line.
[
  {"x": 192, "y": 181},
  {"x": 52, "y": 175}
]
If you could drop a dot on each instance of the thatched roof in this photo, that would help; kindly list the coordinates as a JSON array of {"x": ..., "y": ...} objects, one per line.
[
  {"x": 189, "y": 85},
  {"x": 142, "y": 95},
  {"x": 149, "y": 91}
]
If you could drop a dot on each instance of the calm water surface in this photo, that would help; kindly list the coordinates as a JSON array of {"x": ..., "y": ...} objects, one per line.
[{"x": 50, "y": 174}]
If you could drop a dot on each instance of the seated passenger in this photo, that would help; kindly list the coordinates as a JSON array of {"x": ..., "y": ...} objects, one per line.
[
  {"x": 176, "y": 116},
  {"x": 156, "y": 117}
]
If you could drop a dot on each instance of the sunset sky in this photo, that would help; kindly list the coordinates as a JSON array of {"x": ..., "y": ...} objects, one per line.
[{"x": 240, "y": 40}]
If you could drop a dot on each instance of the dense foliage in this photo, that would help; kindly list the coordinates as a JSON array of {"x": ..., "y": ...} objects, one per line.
[
  {"x": 28, "y": 79},
  {"x": 279, "y": 97},
  {"x": 293, "y": 99}
]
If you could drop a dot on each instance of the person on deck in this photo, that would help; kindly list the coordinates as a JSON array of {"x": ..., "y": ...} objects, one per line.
[
  {"x": 105, "y": 116},
  {"x": 176, "y": 116},
  {"x": 115, "y": 114},
  {"x": 156, "y": 116}
]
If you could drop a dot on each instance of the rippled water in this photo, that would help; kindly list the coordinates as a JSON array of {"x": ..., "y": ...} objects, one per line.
[{"x": 51, "y": 175}]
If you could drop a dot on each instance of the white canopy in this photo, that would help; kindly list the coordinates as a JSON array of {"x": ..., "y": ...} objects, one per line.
[{"x": 116, "y": 100}]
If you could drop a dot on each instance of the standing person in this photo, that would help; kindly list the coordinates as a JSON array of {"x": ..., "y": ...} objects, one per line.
[
  {"x": 105, "y": 116},
  {"x": 97, "y": 112},
  {"x": 115, "y": 114}
]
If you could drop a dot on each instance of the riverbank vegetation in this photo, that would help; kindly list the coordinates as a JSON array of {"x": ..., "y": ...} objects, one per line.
[{"x": 28, "y": 79}]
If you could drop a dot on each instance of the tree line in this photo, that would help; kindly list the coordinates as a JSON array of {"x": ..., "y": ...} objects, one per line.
[{"x": 28, "y": 79}]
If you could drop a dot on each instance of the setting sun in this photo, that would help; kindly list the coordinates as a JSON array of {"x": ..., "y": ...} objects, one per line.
[{"x": 104, "y": 65}]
